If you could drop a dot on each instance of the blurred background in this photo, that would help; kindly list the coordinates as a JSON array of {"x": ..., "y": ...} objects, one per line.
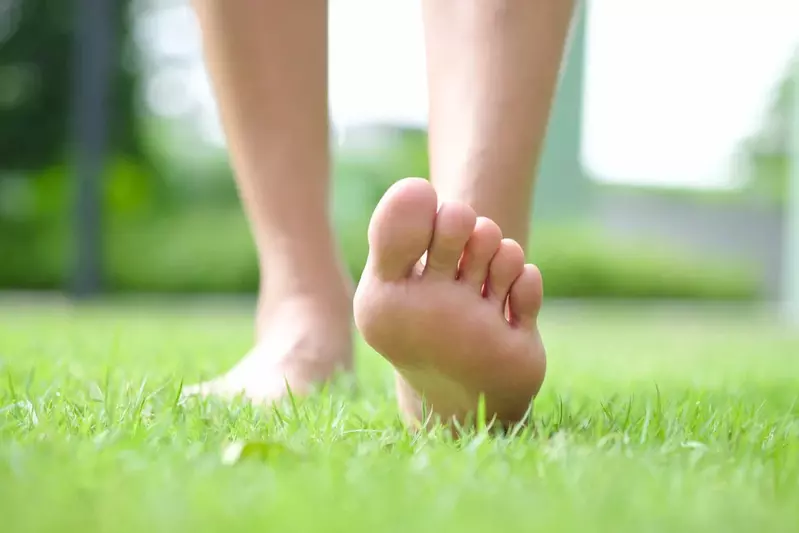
[{"x": 666, "y": 171}]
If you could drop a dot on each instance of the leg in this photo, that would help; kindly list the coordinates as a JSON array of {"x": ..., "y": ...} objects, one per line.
[
  {"x": 268, "y": 63},
  {"x": 463, "y": 324},
  {"x": 492, "y": 69}
]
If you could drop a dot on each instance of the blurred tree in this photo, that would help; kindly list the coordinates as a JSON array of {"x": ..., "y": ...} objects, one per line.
[
  {"x": 38, "y": 40},
  {"x": 768, "y": 151},
  {"x": 36, "y": 69}
]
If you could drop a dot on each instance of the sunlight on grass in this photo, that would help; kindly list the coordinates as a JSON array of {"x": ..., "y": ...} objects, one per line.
[{"x": 651, "y": 419}]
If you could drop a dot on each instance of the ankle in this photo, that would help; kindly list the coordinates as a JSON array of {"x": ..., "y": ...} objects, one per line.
[
  {"x": 328, "y": 305},
  {"x": 305, "y": 270},
  {"x": 319, "y": 296},
  {"x": 322, "y": 315}
]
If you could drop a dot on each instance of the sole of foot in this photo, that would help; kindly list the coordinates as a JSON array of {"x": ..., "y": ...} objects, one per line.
[{"x": 453, "y": 307}]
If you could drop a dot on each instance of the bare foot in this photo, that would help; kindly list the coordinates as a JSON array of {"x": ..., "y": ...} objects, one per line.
[
  {"x": 458, "y": 324},
  {"x": 300, "y": 343}
]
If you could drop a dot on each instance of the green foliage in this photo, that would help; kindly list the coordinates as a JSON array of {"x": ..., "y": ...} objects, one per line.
[
  {"x": 37, "y": 43},
  {"x": 37, "y": 81},
  {"x": 199, "y": 241},
  {"x": 768, "y": 152},
  {"x": 196, "y": 251},
  {"x": 211, "y": 250},
  {"x": 584, "y": 263},
  {"x": 770, "y": 175},
  {"x": 36, "y": 237},
  {"x": 35, "y": 66}
]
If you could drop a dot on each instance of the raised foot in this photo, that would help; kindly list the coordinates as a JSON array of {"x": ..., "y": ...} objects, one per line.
[{"x": 452, "y": 306}]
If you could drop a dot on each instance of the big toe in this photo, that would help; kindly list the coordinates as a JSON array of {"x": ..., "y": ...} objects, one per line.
[{"x": 401, "y": 228}]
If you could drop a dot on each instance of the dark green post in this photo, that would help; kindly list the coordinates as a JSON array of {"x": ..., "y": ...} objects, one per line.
[{"x": 93, "y": 67}]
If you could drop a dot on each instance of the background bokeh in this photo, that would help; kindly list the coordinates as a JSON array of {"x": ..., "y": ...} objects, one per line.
[{"x": 665, "y": 174}]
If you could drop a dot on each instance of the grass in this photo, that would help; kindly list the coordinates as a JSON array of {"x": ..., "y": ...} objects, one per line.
[{"x": 651, "y": 419}]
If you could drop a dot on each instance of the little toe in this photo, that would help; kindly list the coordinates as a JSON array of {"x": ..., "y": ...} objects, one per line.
[{"x": 526, "y": 296}]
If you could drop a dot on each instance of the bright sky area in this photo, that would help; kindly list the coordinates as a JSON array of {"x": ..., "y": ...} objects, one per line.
[{"x": 672, "y": 86}]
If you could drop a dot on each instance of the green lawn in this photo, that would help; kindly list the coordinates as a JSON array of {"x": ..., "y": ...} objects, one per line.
[{"x": 651, "y": 420}]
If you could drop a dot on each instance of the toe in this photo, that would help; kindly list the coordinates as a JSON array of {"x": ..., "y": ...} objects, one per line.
[
  {"x": 505, "y": 267},
  {"x": 480, "y": 249},
  {"x": 455, "y": 223},
  {"x": 526, "y": 295},
  {"x": 401, "y": 228}
]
